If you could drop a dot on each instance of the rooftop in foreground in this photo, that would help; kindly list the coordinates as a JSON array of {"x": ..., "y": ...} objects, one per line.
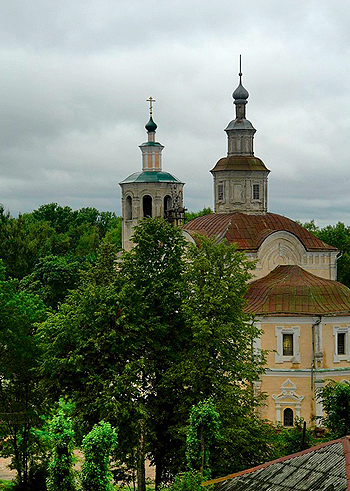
[{"x": 325, "y": 467}]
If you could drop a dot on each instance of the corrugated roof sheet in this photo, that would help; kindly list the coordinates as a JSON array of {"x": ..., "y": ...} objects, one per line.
[
  {"x": 249, "y": 231},
  {"x": 290, "y": 290},
  {"x": 325, "y": 467}
]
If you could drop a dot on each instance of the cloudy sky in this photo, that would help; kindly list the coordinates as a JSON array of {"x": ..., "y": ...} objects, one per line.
[{"x": 75, "y": 76}]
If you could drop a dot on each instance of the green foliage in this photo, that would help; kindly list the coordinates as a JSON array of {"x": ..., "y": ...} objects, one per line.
[
  {"x": 21, "y": 404},
  {"x": 53, "y": 230},
  {"x": 203, "y": 432},
  {"x": 97, "y": 447},
  {"x": 187, "y": 481},
  {"x": 194, "y": 214},
  {"x": 53, "y": 277},
  {"x": 335, "y": 397},
  {"x": 61, "y": 476},
  {"x": 290, "y": 440},
  {"x": 143, "y": 339}
]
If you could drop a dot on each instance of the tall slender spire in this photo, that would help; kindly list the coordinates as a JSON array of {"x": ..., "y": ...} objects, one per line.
[
  {"x": 151, "y": 125},
  {"x": 240, "y": 95},
  {"x": 151, "y": 150}
]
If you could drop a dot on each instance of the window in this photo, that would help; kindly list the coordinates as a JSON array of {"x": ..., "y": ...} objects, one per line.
[
  {"x": 128, "y": 208},
  {"x": 147, "y": 206},
  {"x": 256, "y": 191},
  {"x": 287, "y": 344},
  {"x": 221, "y": 192},
  {"x": 288, "y": 417},
  {"x": 341, "y": 343},
  {"x": 167, "y": 204}
]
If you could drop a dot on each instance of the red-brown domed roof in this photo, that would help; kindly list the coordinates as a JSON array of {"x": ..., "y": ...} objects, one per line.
[
  {"x": 249, "y": 231},
  {"x": 290, "y": 290}
]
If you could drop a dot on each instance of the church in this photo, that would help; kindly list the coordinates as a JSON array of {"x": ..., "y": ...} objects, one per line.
[{"x": 303, "y": 312}]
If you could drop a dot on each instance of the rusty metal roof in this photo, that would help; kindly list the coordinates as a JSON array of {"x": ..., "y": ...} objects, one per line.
[
  {"x": 249, "y": 231},
  {"x": 240, "y": 162},
  {"x": 290, "y": 290},
  {"x": 325, "y": 467}
]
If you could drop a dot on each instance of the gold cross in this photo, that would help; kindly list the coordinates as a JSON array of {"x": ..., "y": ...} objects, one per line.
[{"x": 151, "y": 100}]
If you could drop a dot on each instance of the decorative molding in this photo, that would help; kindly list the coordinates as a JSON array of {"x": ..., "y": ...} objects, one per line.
[
  {"x": 345, "y": 330},
  {"x": 287, "y": 398},
  {"x": 295, "y": 331}
]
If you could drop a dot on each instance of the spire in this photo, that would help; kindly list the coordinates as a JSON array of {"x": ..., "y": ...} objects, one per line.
[
  {"x": 240, "y": 95},
  {"x": 151, "y": 150},
  {"x": 151, "y": 125}
]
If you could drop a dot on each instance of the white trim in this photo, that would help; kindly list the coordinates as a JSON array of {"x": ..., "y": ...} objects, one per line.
[
  {"x": 287, "y": 398},
  {"x": 306, "y": 372},
  {"x": 295, "y": 331},
  {"x": 270, "y": 319},
  {"x": 344, "y": 330}
]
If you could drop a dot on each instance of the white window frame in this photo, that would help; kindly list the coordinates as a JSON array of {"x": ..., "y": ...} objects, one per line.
[
  {"x": 221, "y": 185},
  {"x": 341, "y": 330},
  {"x": 259, "y": 188},
  {"x": 279, "y": 357}
]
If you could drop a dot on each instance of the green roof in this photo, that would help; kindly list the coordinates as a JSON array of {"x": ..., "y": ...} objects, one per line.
[{"x": 151, "y": 176}]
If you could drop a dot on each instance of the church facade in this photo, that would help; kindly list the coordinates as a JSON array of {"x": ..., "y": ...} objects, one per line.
[{"x": 303, "y": 312}]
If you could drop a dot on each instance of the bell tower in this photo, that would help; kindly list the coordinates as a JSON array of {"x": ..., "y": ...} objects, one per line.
[
  {"x": 240, "y": 179},
  {"x": 151, "y": 192}
]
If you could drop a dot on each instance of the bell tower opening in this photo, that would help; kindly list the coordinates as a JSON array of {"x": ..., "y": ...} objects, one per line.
[
  {"x": 147, "y": 206},
  {"x": 128, "y": 208}
]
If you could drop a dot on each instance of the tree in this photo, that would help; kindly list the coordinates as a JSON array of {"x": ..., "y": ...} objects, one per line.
[
  {"x": 61, "y": 476},
  {"x": 142, "y": 340},
  {"x": 151, "y": 298},
  {"x": 21, "y": 404},
  {"x": 97, "y": 447},
  {"x": 190, "y": 215},
  {"x": 53, "y": 277},
  {"x": 220, "y": 361},
  {"x": 335, "y": 397},
  {"x": 203, "y": 431}
]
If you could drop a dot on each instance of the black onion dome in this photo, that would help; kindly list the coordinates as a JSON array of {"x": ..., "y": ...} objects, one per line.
[{"x": 151, "y": 126}]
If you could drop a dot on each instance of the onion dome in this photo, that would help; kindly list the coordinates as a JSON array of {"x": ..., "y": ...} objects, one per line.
[
  {"x": 241, "y": 93},
  {"x": 151, "y": 125}
]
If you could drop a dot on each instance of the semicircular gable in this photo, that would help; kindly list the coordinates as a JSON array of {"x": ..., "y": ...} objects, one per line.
[{"x": 280, "y": 248}]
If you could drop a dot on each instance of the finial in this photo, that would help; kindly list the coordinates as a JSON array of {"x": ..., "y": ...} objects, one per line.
[
  {"x": 151, "y": 125},
  {"x": 240, "y": 69},
  {"x": 151, "y": 100},
  {"x": 241, "y": 94}
]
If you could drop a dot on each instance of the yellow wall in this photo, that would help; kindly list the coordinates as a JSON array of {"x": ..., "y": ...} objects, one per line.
[{"x": 289, "y": 381}]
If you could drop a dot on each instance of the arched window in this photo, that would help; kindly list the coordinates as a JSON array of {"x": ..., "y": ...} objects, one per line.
[
  {"x": 167, "y": 204},
  {"x": 128, "y": 208},
  {"x": 288, "y": 417},
  {"x": 147, "y": 206}
]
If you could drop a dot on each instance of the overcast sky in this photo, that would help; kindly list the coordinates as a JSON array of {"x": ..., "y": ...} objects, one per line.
[{"x": 75, "y": 76}]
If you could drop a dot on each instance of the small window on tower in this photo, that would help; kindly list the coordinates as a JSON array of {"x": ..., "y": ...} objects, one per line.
[
  {"x": 287, "y": 344},
  {"x": 256, "y": 191},
  {"x": 221, "y": 192},
  {"x": 341, "y": 343}
]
